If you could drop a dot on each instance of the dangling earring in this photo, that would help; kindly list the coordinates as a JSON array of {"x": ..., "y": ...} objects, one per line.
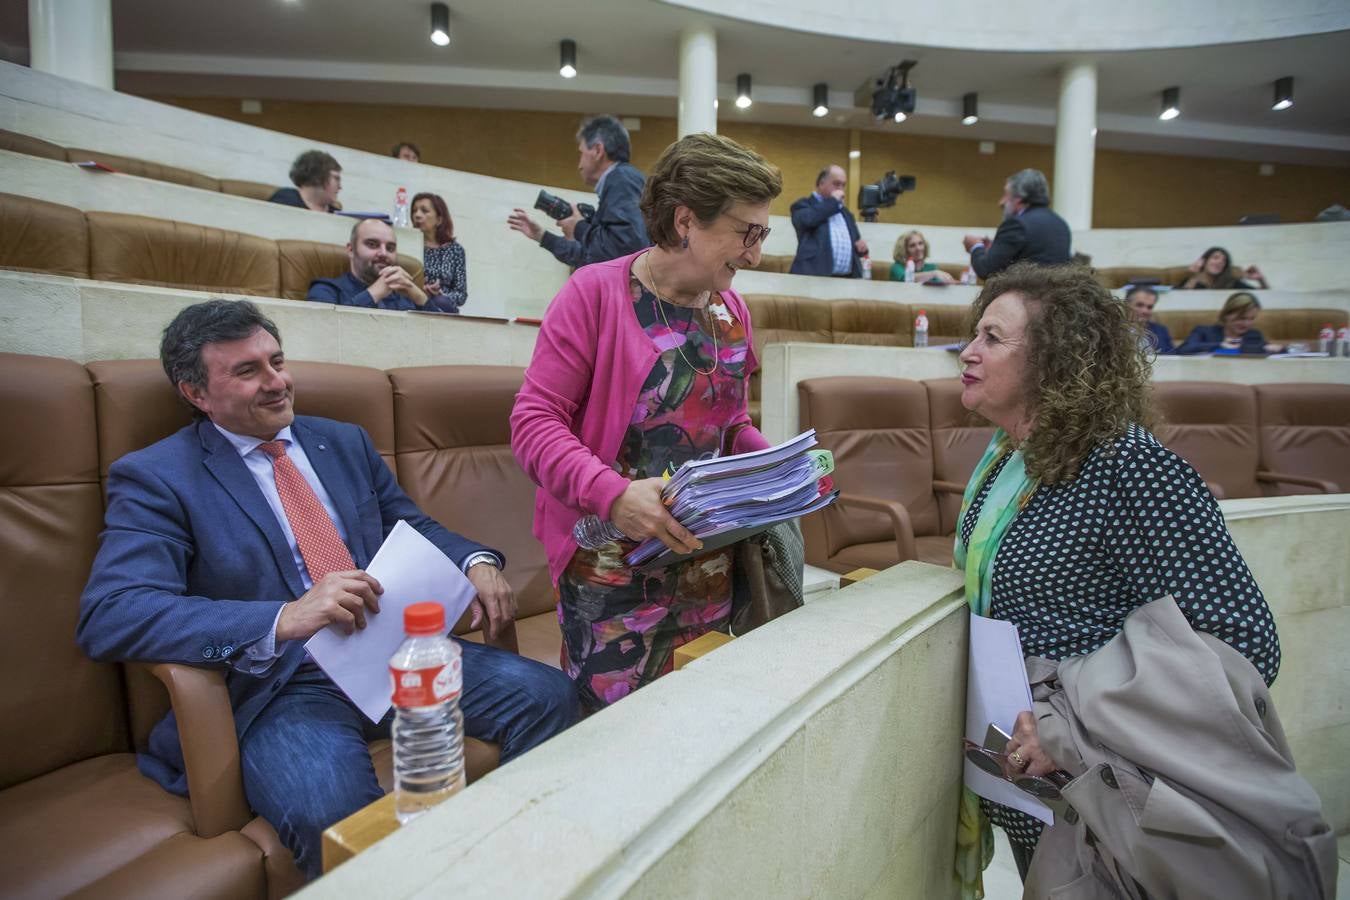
[{"x": 684, "y": 243}]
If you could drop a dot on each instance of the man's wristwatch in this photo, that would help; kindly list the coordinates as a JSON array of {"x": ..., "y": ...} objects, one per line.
[{"x": 482, "y": 556}]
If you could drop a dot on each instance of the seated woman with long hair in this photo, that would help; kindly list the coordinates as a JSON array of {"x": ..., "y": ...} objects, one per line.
[
  {"x": 1214, "y": 270},
  {"x": 1234, "y": 331},
  {"x": 913, "y": 245}
]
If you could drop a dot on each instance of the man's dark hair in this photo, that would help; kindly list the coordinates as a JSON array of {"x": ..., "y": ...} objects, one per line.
[
  {"x": 312, "y": 167},
  {"x": 398, "y": 148},
  {"x": 825, "y": 173},
  {"x": 608, "y": 131},
  {"x": 195, "y": 326},
  {"x": 1139, "y": 289}
]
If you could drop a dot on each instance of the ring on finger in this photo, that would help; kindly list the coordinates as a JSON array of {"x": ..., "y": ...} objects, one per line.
[{"x": 1016, "y": 759}]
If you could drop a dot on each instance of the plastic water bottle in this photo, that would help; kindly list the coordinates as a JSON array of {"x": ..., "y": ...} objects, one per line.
[
  {"x": 969, "y": 276},
  {"x": 1342, "y": 342},
  {"x": 428, "y": 730},
  {"x": 1326, "y": 340},
  {"x": 909, "y": 270},
  {"x": 401, "y": 219},
  {"x": 593, "y": 532},
  {"x": 866, "y": 266},
  {"x": 921, "y": 329}
]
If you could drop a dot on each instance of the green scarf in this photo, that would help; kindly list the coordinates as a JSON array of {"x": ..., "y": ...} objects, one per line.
[{"x": 1006, "y": 498}]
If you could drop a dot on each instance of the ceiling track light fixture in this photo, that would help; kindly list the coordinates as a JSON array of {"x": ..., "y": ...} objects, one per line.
[
  {"x": 1171, "y": 104},
  {"x": 567, "y": 58},
  {"x": 969, "y": 109},
  {"x": 1284, "y": 93},
  {"x": 440, "y": 24},
  {"x": 820, "y": 102},
  {"x": 743, "y": 100}
]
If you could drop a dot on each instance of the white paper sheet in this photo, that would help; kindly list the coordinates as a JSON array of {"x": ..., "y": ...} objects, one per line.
[
  {"x": 996, "y": 691},
  {"x": 411, "y": 569}
]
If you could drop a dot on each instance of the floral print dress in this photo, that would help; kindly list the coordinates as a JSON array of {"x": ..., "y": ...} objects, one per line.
[{"x": 620, "y": 626}]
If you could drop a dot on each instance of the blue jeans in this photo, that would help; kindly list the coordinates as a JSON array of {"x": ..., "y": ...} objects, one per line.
[{"x": 306, "y": 765}]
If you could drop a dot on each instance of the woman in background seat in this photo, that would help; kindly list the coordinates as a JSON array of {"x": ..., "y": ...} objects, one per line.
[
  {"x": 641, "y": 365},
  {"x": 447, "y": 271},
  {"x": 1214, "y": 270},
  {"x": 1235, "y": 331},
  {"x": 913, "y": 245}
]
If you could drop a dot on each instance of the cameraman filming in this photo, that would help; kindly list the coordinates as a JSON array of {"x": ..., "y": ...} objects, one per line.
[{"x": 616, "y": 228}]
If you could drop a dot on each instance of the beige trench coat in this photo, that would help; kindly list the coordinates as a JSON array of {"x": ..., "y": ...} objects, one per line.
[{"x": 1196, "y": 796}]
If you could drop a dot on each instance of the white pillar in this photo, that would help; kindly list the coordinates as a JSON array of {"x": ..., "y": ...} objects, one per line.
[
  {"x": 698, "y": 80},
  {"x": 1075, "y": 143},
  {"x": 73, "y": 39}
]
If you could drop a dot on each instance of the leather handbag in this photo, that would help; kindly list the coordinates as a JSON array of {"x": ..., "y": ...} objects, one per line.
[{"x": 767, "y": 576}]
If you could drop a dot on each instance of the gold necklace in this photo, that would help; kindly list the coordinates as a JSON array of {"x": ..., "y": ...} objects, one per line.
[{"x": 660, "y": 308}]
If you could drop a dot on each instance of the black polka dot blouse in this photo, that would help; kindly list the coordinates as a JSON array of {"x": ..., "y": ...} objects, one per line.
[{"x": 1137, "y": 523}]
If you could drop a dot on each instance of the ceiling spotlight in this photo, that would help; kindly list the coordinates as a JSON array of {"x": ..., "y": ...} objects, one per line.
[
  {"x": 1284, "y": 93},
  {"x": 820, "y": 105},
  {"x": 743, "y": 91},
  {"x": 567, "y": 63},
  {"x": 969, "y": 110},
  {"x": 440, "y": 24},
  {"x": 1171, "y": 104},
  {"x": 900, "y": 116}
]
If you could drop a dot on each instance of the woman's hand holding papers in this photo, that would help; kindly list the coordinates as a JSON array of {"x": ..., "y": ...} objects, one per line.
[{"x": 640, "y": 513}]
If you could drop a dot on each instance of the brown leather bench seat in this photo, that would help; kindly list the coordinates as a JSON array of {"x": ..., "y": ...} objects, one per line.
[
  {"x": 76, "y": 816},
  {"x": 904, "y": 451},
  {"x": 37, "y": 236}
]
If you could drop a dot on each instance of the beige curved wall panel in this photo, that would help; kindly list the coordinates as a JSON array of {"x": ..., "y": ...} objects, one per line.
[{"x": 1045, "y": 26}]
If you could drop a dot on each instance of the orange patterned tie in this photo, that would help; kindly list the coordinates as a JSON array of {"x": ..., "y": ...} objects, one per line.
[{"x": 320, "y": 544}]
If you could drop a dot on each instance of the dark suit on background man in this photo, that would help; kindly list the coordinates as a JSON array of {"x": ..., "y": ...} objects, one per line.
[
  {"x": 1037, "y": 234},
  {"x": 199, "y": 565},
  {"x": 815, "y": 252},
  {"x": 616, "y": 229}
]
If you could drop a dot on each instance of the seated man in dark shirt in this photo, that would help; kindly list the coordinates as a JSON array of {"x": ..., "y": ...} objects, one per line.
[
  {"x": 374, "y": 278},
  {"x": 317, "y": 178}
]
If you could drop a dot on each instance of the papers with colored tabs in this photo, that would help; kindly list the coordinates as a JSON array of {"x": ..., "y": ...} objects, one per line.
[
  {"x": 411, "y": 569},
  {"x": 727, "y": 499}
]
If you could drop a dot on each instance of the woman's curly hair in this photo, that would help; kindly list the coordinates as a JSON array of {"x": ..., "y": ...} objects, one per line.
[{"x": 1088, "y": 374}]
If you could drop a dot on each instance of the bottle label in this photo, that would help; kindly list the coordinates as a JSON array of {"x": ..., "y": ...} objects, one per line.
[{"x": 426, "y": 687}]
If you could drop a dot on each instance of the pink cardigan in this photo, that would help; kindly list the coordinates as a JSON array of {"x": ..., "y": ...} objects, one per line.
[{"x": 570, "y": 416}]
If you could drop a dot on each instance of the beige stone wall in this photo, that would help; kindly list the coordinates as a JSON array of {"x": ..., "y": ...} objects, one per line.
[
  {"x": 815, "y": 757},
  {"x": 1296, "y": 549}
]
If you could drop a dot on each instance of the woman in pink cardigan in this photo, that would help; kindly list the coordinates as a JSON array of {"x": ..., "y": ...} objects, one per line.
[{"x": 642, "y": 364}]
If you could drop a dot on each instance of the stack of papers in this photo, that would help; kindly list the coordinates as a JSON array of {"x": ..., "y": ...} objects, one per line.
[{"x": 729, "y": 498}]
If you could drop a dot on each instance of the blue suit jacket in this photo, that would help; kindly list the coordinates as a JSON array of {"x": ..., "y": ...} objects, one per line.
[
  {"x": 1160, "y": 336},
  {"x": 193, "y": 567},
  {"x": 811, "y": 220},
  {"x": 1208, "y": 338}
]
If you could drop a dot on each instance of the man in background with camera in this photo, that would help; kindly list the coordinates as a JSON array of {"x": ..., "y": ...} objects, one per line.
[
  {"x": 614, "y": 228},
  {"x": 828, "y": 241}
]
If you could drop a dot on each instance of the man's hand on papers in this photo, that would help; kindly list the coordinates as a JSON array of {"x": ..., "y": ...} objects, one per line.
[
  {"x": 495, "y": 598},
  {"x": 639, "y": 513},
  {"x": 338, "y": 598}
]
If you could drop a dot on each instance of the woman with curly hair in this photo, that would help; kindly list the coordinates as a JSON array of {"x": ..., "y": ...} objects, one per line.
[{"x": 1076, "y": 515}]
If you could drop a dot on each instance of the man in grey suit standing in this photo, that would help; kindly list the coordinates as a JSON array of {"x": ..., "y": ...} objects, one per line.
[{"x": 1030, "y": 229}]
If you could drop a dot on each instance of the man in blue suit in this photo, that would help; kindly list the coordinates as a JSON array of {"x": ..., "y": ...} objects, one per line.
[
  {"x": 1141, "y": 299},
  {"x": 200, "y": 564},
  {"x": 828, "y": 240}
]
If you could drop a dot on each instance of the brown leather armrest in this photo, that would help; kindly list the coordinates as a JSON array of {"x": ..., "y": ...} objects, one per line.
[
  {"x": 201, "y": 704},
  {"x": 900, "y": 521},
  {"x": 1326, "y": 487},
  {"x": 948, "y": 487}
]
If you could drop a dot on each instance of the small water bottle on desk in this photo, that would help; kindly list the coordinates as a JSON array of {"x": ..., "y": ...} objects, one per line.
[
  {"x": 921, "y": 329},
  {"x": 1342, "y": 347},
  {"x": 593, "y": 532},
  {"x": 401, "y": 219},
  {"x": 428, "y": 730},
  {"x": 1326, "y": 340},
  {"x": 866, "y": 266},
  {"x": 909, "y": 269}
]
